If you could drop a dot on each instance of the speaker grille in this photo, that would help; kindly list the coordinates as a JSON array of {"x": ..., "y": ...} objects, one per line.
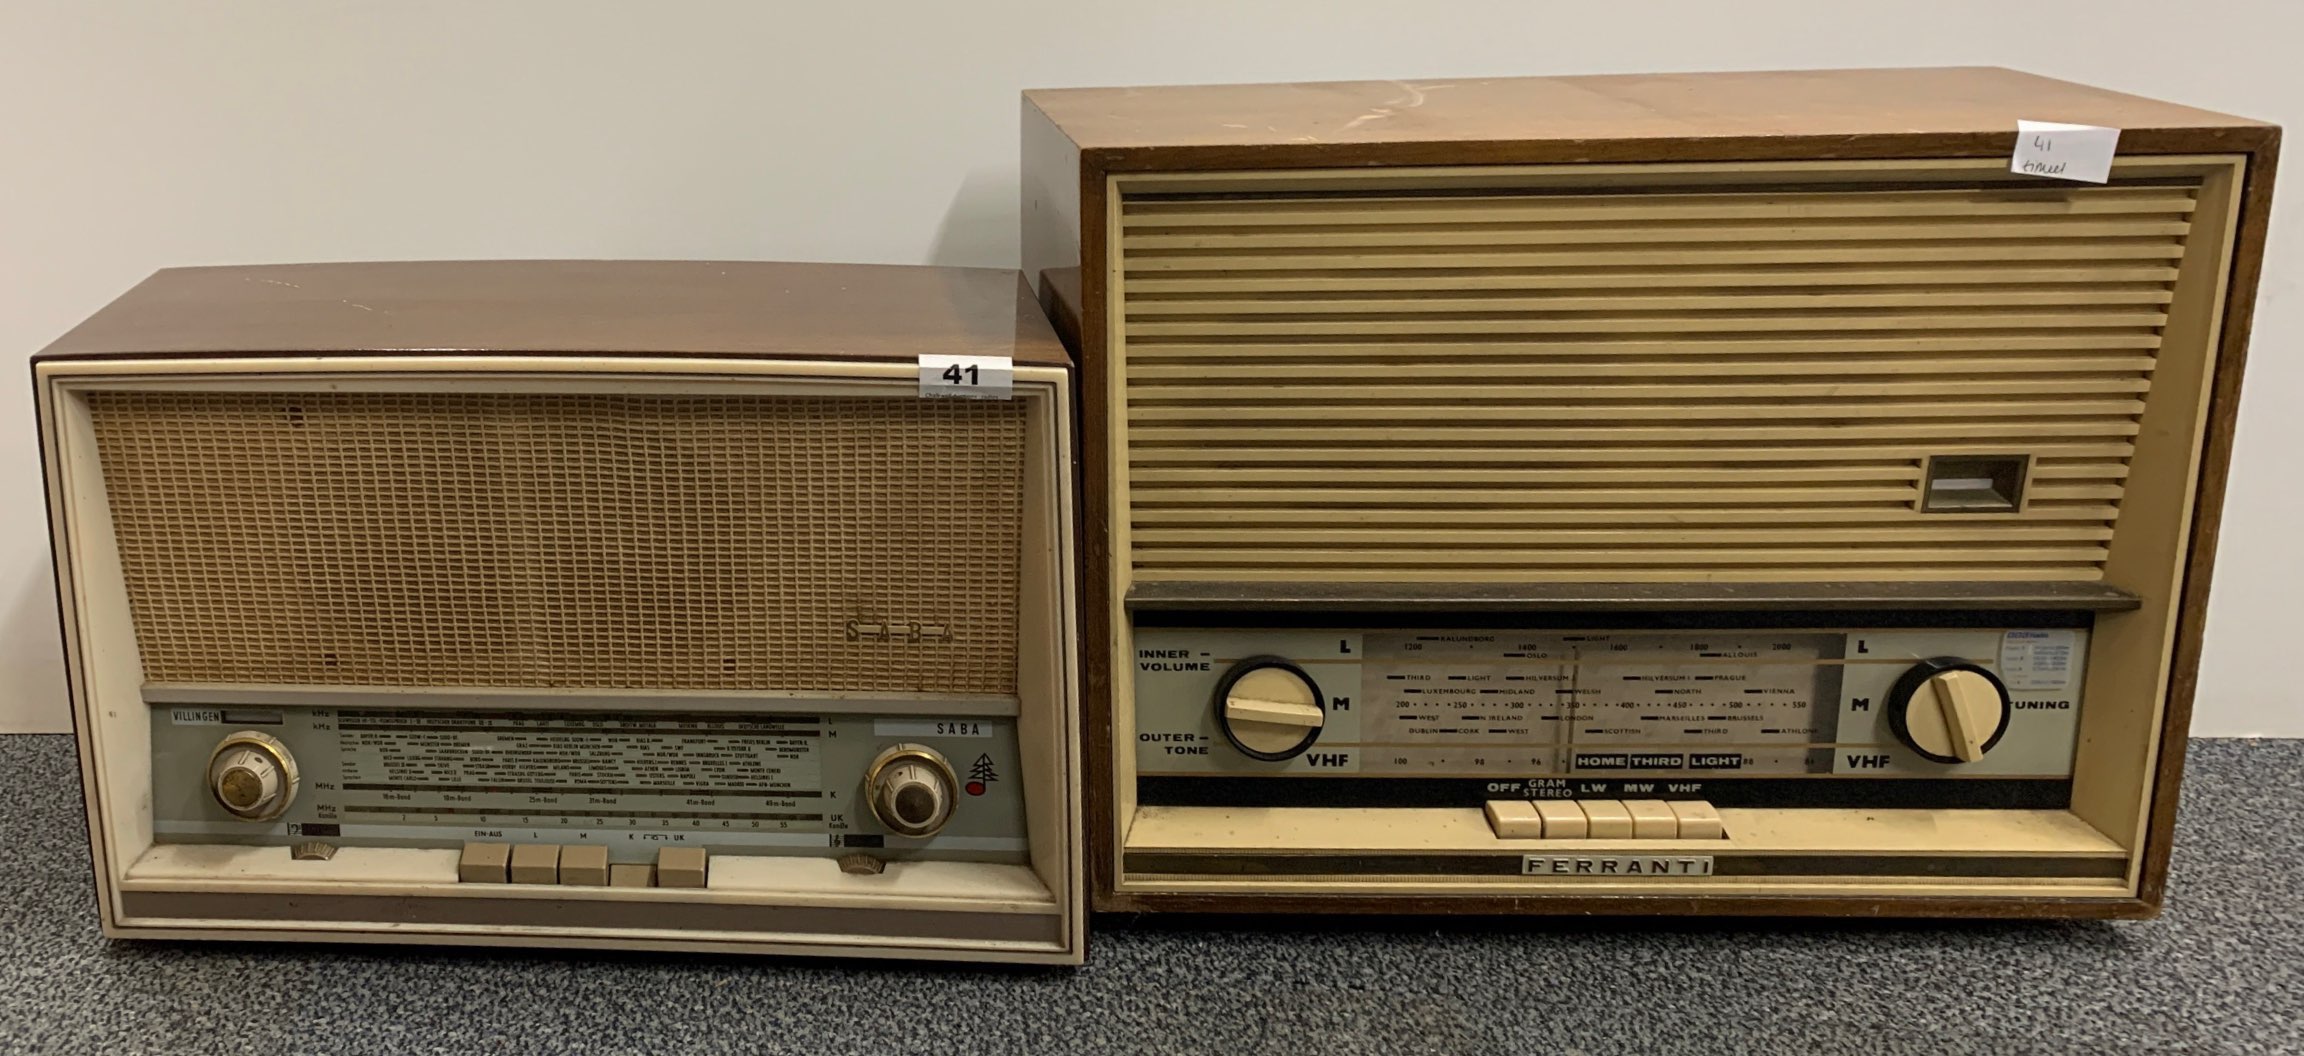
[
  {"x": 1372, "y": 380},
  {"x": 598, "y": 541}
]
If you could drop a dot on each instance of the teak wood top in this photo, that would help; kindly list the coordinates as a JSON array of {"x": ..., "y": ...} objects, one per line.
[
  {"x": 1616, "y": 115},
  {"x": 796, "y": 311}
]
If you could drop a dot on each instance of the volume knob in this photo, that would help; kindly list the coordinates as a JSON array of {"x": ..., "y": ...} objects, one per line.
[
  {"x": 252, "y": 775},
  {"x": 1269, "y": 709},
  {"x": 910, "y": 788},
  {"x": 1948, "y": 710}
]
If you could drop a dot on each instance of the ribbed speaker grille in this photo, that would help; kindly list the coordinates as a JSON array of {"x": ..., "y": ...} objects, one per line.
[
  {"x": 1478, "y": 383},
  {"x": 657, "y": 542}
]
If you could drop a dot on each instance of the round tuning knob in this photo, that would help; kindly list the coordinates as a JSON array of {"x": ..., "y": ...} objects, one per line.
[
  {"x": 1948, "y": 710},
  {"x": 252, "y": 775},
  {"x": 1269, "y": 708},
  {"x": 911, "y": 789}
]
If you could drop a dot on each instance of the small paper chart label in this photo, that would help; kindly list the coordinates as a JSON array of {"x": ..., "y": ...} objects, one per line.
[
  {"x": 2037, "y": 660},
  {"x": 2064, "y": 152},
  {"x": 967, "y": 377}
]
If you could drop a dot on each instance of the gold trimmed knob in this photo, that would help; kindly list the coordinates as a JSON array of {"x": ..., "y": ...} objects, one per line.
[
  {"x": 252, "y": 775},
  {"x": 1270, "y": 709},
  {"x": 911, "y": 789}
]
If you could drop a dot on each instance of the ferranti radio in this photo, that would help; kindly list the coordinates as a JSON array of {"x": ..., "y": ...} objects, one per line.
[
  {"x": 665, "y": 605},
  {"x": 1693, "y": 494}
]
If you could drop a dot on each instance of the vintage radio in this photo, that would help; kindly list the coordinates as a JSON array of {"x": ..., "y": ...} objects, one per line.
[
  {"x": 657, "y": 605},
  {"x": 1700, "y": 494}
]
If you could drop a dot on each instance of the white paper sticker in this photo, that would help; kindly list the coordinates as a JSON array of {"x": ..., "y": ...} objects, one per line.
[
  {"x": 2064, "y": 152},
  {"x": 2037, "y": 660},
  {"x": 968, "y": 377}
]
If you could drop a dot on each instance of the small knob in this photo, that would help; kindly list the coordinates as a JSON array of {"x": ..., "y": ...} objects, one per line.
[
  {"x": 910, "y": 788},
  {"x": 252, "y": 775},
  {"x": 1269, "y": 708},
  {"x": 1948, "y": 710}
]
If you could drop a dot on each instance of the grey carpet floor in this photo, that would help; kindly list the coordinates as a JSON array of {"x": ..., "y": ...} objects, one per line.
[{"x": 2221, "y": 972}]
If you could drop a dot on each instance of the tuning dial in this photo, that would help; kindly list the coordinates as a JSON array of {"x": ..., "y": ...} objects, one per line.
[
  {"x": 252, "y": 775},
  {"x": 1269, "y": 708},
  {"x": 911, "y": 789},
  {"x": 1948, "y": 710}
]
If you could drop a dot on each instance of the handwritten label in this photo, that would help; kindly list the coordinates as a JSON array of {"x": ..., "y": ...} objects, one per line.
[
  {"x": 968, "y": 377},
  {"x": 2064, "y": 152}
]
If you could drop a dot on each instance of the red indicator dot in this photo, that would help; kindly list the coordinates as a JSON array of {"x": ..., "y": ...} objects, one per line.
[{"x": 975, "y": 788}]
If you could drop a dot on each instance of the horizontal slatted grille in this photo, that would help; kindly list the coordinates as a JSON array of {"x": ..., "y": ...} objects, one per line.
[{"x": 1471, "y": 383}]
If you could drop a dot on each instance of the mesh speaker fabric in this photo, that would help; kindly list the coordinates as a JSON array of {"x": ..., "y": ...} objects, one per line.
[{"x": 568, "y": 540}]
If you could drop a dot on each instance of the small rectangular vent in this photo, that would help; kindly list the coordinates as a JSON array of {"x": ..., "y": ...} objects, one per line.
[
  {"x": 1975, "y": 483},
  {"x": 1372, "y": 380},
  {"x": 598, "y": 541}
]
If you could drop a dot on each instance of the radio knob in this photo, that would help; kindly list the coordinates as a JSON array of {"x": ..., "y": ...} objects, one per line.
[
  {"x": 911, "y": 789},
  {"x": 1948, "y": 710},
  {"x": 252, "y": 775},
  {"x": 1269, "y": 709}
]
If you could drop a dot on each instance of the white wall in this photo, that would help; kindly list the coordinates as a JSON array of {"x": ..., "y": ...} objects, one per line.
[{"x": 138, "y": 135}]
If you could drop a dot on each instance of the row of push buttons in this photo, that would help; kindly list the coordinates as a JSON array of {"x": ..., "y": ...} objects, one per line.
[
  {"x": 1604, "y": 819},
  {"x": 578, "y": 865}
]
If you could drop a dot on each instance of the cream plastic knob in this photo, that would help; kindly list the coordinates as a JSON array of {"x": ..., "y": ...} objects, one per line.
[
  {"x": 252, "y": 775},
  {"x": 911, "y": 790},
  {"x": 1954, "y": 714},
  {"x": 1272, "y": 711}
]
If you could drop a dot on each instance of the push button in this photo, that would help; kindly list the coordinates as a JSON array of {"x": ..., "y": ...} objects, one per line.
[
  {"x": 536, "y": 863},
  {"x": 1606, "y": 819},
  {"x": 485, "y": 863},
  {"x": 1563, "y": 819},
  {"x": 1603, "y": 819},
  {"x": 1698, "y": 821},
  {"x": 1515, "y": 819},
  {"x": 584, "y": 865},
  {"x": 681, "y": 867},
  {"x": 1652, "y": 819}
]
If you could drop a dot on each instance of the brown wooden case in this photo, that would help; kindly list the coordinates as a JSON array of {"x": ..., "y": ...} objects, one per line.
[
  {"x": 693, "y": 492},
  {"x": 1393, "y": 197}
]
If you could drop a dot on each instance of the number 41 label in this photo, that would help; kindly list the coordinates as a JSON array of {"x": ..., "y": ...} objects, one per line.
[{"x": 968, "y": 377}]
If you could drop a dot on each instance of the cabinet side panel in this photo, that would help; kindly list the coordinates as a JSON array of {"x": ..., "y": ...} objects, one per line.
[
  {"x": 2121, "y": 732},
  {"x": 76, "y": 678},
  {"x": 2246, "y": 269},
  {"x": 1049, "y": 200}
]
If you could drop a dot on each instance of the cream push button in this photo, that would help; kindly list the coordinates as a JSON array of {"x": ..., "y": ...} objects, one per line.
[
  {"x": 1698, "y": 821},
  {"x": 1948, "y": 710},
  {"x": 1269, "y": 709},
  {"x": 536, "y": 863},
  {"x": 584, "y": 865},
  {"x": 1652, "y": 819},
  {"x": 1514, "y": 819},
  {"x": 1606, "y": 819},
  {"x": 485, "y": 863},
  {"x": 1563, "y": 819},
  {"x": 682, "y": 867}
]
